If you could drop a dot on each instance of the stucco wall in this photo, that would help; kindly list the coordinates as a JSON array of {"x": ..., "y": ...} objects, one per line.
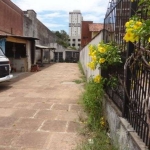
[{"x": 85, "y": 58}]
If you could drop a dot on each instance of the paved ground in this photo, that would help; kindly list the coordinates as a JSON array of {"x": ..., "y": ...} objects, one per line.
[{"x": 40, "y": 111}]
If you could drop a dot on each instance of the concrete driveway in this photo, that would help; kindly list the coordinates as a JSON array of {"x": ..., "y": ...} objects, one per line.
[{"x": 40, "y": 111}]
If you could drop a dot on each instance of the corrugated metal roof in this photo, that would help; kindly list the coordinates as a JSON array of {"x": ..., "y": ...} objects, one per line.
[{"x": 96, "y": 27}]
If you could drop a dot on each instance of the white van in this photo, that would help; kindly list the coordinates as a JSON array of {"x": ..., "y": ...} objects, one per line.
[{"x": 5, "y": 68}]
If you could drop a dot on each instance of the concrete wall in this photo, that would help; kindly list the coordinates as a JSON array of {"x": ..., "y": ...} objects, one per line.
[
  {"x": 11, "y": 18},
  {"x": 85, "y": 58},
  {"x": 34, "y": 28},
  {"x": 19, "y": 64},
  {"x": 122, "y": 134},
  {"x": 28, "y": 50},
  {"x": 60, "y": 49},
  {"x": 44, "y": 34},
  {"x": 30, "y": 23}
]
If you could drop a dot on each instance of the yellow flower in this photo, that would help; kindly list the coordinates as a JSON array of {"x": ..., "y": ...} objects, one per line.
[
  {"x": 149, "y": 40},
  {"x": 93, "y": 53},
  {"x": 127, "y": 24},
  {"x": 101, "y": 49},
  {"x": 129, "y": 36},
  {"x": 131, "y": 21},
  {"x": 139, "y": 24},
  {"x": 129, "y": 30},
  {"x": 90, "y": 54},
  {"x": 102, "y": 122},
  {"x": 101, "y": 60},
  {"x": 97, "y": 79},
  {"x": 93, "y": 58},
  {"x": 91, "y": 65},
  {"x": 91, "y": 50},
  {"x": 135, "y": 27}
]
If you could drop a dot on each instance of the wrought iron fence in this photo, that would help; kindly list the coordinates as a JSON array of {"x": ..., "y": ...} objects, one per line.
[
  {"x": 133, "y": 97},
  {"x": 116, "y": 16}
]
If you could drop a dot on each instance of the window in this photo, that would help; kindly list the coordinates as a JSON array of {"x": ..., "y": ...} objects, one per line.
[
  {"x": 73, "y": 44},
  {"x": 74, "y": 39},
  {"x": 79, "y": 44},
  {"x": 79, "y": 39},
  {"x": 68, "y": 39}
]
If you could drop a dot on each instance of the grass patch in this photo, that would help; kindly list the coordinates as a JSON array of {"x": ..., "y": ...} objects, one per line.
[
  {"x": 82, "y": 72},
  {"x": 95, "y": 129},
  {"x": 82, "y": 77},
  {"x": 80, "y": 68},
  {"x": 92, "y": 101},
  {"x": 78, "y": 81},
  {"x": 96, "y": 141}
]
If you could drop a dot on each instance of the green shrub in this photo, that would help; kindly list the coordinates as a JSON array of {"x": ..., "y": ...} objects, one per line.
[{"x": 93, "y": 104}]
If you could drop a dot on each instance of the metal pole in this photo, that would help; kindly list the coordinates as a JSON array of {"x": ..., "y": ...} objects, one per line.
[{"x": 127, "y": 74}]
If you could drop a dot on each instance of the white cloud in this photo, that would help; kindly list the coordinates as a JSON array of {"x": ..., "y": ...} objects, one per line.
[
  {"x": 54, "y": 25},
  {"x": 63, "y": 5},
  {"x": 94, "y": 18},
  {"x": 57, "y": 11},
  {"x": 50, "y": 16},
  {"x": 55, "y": 14}
]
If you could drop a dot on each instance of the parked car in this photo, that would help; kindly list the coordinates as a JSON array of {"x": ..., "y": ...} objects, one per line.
[{"x": 5, "y": 68}]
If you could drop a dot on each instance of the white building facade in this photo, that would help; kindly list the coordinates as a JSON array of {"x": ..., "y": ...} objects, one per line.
[{"x": 75, "y": 20}]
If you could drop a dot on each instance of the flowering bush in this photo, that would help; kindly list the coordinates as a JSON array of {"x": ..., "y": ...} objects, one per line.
[
  {"x": 136, "y": 28},
  {"x": 138, "y": 32},
  {"x": 97, "y": 79},
  {"x": 104, "y": 55},
  {"x": 133, "y": 28}
]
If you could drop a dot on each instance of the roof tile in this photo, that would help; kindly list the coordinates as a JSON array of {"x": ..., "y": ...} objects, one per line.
[{"x": 96, "y": 27}]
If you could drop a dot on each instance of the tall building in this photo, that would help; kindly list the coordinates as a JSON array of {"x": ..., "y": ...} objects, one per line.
[{"x": 75, "y": 20}]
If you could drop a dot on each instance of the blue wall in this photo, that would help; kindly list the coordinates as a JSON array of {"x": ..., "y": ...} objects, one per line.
[{"x": 2, "y": 44}]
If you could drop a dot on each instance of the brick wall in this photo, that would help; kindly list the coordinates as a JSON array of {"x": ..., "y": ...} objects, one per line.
[
  {"x": 11, "y": 18},
  {"x": 85, "y": 33}
]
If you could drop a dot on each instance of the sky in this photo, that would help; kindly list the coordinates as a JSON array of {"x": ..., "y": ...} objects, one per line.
[{"x": 55, "y": 13}]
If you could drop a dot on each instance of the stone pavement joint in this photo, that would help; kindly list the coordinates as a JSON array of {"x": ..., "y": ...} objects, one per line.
[{"x": 40, "y": 110}]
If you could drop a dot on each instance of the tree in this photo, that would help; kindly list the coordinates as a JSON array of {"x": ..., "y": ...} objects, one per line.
[{"x": 62, "y": 38}]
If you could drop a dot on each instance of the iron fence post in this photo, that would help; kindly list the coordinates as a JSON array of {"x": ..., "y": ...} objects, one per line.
[
  {"x": 127, "y": 83},
  {"x": 127, "y": 73}
]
